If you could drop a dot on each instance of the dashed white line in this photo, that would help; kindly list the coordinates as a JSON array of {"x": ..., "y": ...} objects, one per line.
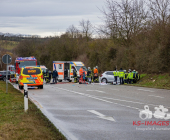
[
  {"x": 96, "y": 91},
  {"x": 156, "y": 96},
  {"x": 146, "y": 90}
]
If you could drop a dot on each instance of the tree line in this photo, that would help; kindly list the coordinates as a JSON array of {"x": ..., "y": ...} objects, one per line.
[{"x": 135, "y": 35}]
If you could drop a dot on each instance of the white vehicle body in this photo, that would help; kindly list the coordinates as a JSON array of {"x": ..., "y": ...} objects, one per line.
[
  {"x": 43, "y": 68},
  {"x": 65, "y": 71}
]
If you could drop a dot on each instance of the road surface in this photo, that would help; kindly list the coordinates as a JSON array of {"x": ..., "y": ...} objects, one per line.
[{"x": 105, "y": 112}]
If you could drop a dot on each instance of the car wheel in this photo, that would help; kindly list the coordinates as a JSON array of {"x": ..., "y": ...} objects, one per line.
[
  {"x": 104, "y": 80},
  {"x": 4, "y": 79}
]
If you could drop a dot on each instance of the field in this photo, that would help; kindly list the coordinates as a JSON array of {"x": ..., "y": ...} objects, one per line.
[
  {"x": 8, "y": 45},
  {"x": 16, "y": 124}
]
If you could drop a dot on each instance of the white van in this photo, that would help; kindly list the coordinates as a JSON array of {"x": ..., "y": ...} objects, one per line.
[{"x": 65, "y": 71}]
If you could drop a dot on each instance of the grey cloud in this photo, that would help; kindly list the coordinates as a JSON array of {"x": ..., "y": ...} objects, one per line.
[{"x": 49, "y": 8}]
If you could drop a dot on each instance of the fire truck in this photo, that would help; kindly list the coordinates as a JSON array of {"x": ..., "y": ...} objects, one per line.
[{"x": 22, "y": 62}]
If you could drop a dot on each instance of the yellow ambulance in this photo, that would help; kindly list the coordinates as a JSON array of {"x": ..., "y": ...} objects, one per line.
[{"x": 32, "y": 76}]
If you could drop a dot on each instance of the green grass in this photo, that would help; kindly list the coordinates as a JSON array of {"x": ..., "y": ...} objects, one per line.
[
  {"x": 154, "y": 81},
  {"x": 16, "y": 124},
  {"x": 8, "y": 45}
]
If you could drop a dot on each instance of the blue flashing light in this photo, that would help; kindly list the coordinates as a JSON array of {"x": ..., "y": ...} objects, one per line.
[
  {"x": 71, "y": 63},
  {"x": 25, "y": 58}
]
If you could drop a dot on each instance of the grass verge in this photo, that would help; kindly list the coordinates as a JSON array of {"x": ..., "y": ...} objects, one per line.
[
  {"x": 154, "y": 81},
  {"x": 16, "y": 124}
]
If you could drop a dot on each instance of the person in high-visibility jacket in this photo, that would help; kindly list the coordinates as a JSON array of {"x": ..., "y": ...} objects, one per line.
[
  {"x": 89, "y": 74},
  {"x": 96, "y": 74},
  {"x": 74, "y": 74},
  {"x": 134, "y": 76},
  {"x": 126, "y": 78},
  {"x": 81, "y": 72},
  {"x": 130, "y": 77},
  {"x": 121, "y": 75},
  {"x": 47, "y": 77},
  {"x": 116, "y": 74}
]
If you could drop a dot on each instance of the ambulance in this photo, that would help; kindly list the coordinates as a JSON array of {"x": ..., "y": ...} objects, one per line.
[{"x": 65, "y": 69}]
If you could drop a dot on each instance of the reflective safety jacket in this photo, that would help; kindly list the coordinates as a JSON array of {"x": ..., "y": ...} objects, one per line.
[
  {"x": 115, "y": 73},
  {"x": 130, "y": 75},
  {"x": 80, "y": 71},
  {"x": 126, "y": 76},
  {"x": 89, "y": 73},
  {"x": 95, "y": 71},
  {"x": 74, "y": 73},
  {"x": 121, "y": 74}
]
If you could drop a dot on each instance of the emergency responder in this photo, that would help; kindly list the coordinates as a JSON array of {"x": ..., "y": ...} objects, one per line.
[
  {"x": 96, "y": 78},
  {"x": 55, "y": 75},
  {"x": 126, "y": 78},
  {"x": 130, "y": 77},
  {"x": 81, "y": 73},
  {"x": 74, "y": 74},
  {"x": 134, "y": 76},
  {"x": 84, "y": 75},
  {"x": 44, "y": 75},
  {"x": 137, "y": 75},
  {"x": 115, "y": 73},
  {"x": 47, "y": 76},
  {"x": 121, "y": 76},
  {"x": 89, "y": 74},
  {"x": 93, "y": 74},
  {"x": 50, "y": 75}
]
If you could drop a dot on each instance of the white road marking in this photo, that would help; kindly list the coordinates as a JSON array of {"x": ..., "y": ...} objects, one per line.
[
  {"x": 114, "y": 89},
  {"x": 99, "y": 115},
  {"x": 94, "y": 97},
  {"x": 156, "y": 96},
  {"x": 146, "y": 90},
  {"x": 96, "y": 91},
  {"x": 131, "y": 101}
]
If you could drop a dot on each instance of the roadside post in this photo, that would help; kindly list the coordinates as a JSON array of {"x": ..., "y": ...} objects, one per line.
[
  {"x": 99, "y": 79},
  {"x": 6, "y": 59},
  {"x": 25, "y": 97}
]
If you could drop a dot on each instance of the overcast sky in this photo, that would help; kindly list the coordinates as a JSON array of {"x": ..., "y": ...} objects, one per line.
[{"x": 47, "y": 17}]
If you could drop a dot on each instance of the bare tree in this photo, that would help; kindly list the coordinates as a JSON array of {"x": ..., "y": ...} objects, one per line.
[
  {"x": 72, "y": 32},
  {"x": 86, "y": 28},
  {"x": 159, "y": 11},
  {"x": 124, "y": 19}
]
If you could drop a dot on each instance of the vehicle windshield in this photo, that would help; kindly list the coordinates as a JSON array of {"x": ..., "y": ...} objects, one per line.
[
  {"x": 12, "y": 72},
  {"x": 44, "y": 69},
  {"x": 27, "y": 63},
  {"x": 78, "y": 67},
  {"x": 12, "y": 68}
]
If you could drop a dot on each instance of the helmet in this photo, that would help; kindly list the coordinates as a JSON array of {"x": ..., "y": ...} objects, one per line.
[
  {"x": 96, "y": 67},
  {"x": 88, "y": 68},
  {"x": 133, "y": 70}
]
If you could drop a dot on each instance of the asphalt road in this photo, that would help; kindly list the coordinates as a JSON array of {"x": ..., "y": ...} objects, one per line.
[{"x": 104, "y": 112}]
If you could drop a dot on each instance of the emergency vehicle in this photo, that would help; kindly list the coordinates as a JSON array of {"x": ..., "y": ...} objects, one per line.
[
  {"x": 65, "y": 70},
  {"x": 21, "y": 62},
  {"x": 11, "y": 69},
  {"x": 32, "y": 76}
]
